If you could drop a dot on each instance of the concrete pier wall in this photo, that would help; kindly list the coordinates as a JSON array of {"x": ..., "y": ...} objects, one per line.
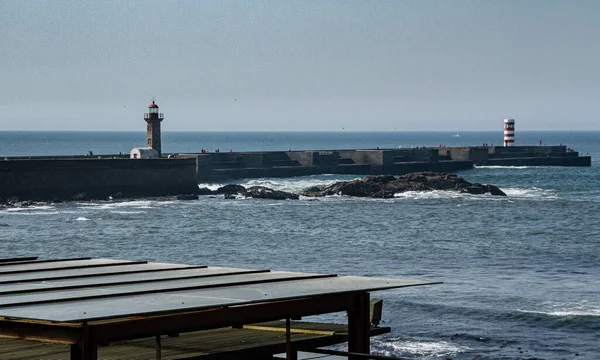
[
  {"x": 47, "y": 179},
  {"x": 220, "y": 167}
]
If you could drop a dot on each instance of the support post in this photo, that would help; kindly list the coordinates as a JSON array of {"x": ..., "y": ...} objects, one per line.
[
  {"x": 358, "y": 325},
  {"x": 89, "y": 346},
  {"x": 85, "y": 349},
  {"x": 290, "y": 354},
  {"x": 158, "y": 348},
  {"x": 76, "y": 352}
]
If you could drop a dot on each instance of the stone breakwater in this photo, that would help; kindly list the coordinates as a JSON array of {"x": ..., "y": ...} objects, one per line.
[
  {"x": 68, "y": 178},
  {"x": 218, "y": 167}
]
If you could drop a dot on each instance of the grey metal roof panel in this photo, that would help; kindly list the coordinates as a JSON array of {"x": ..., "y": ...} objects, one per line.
[
  {"x": 50, "y": 273},
  {"x": 96, "y": 309},
  {"x": 161, "y": 286},
  {"x": 40, "y": 266},
  {"x": 121, "y": 278}
]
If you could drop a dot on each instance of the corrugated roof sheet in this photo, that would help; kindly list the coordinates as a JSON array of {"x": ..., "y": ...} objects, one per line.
[{"x": 94, "y": 289}]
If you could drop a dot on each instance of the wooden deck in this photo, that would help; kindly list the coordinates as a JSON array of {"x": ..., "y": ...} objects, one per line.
[{"x": 257, "y": 341}]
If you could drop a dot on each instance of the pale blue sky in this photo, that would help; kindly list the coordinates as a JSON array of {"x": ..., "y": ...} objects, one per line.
[{"x": 291, "y": 65}]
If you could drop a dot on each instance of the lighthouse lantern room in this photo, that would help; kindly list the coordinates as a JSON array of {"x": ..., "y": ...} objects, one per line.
[{"x": 153, "y": 119}]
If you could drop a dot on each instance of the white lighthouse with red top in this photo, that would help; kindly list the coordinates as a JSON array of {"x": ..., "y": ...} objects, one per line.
[{"x": 153, "y": 119}]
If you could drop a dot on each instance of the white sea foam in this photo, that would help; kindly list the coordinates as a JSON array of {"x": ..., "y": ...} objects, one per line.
[
  {"x": 566, "y": 309},
  {"x": 435, "y": 194},
  {"x": 210, "y": 186},
  {"x": 137, "y": 204},
  {"x": 294, "y": 185},
  {"x": 81, "y": 218},
  {"x": 127, "y": 212},
  {"x": 500, "y": 167},
  {"x": 592, "y": 312},
  {"x": 34, "y": 212},
  {"x": 422, "y": 348},
  {"x": 531, "y": 192},
  {"x": 30, "y": 208}
]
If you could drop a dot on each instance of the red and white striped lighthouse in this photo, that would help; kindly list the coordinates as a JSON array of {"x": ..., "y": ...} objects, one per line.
[{"x": 509, "y": 132}]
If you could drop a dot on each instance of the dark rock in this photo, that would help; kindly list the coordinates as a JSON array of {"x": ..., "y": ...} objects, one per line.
[
  {"x": 187, "y": 197},
  {"x": 388, "y": 186},
  {"x": 314, "y": 191},
  {"x": 380, "y": 179},
  {"x": 205, "y": 191},
  {"x": 261, "y": 192},
  {"x": 229, "y": 197},
  {"x": 230, "y": 189},
  {"x": 494, "y": 190},
  {"x": 475, "y": 189},
  {"x": 56, "y": 200}
]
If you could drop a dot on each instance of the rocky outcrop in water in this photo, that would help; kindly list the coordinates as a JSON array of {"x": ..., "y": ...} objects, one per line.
[
  {"x": 230, "y": 189},
  {"x": 387, "y": 186},
  {"x": 259, "y": 192}
]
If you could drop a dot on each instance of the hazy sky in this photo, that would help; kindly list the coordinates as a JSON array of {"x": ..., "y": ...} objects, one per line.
[{"x": 300, "y": 65}]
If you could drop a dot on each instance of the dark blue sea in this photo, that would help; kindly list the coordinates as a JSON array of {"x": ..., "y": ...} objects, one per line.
[{"x": 521, "y": 274}]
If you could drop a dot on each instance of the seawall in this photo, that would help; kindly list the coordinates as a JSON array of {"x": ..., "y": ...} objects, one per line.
[
  {"x": 235, "y": 165},
  {"x": 65, "y": 178},
  {"x": 517, "y": 155},
  {"x": 224, "y": 166},
  {"x": 49, "y": 178}
]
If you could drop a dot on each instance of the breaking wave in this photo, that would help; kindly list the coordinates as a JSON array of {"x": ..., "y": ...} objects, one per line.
[
  {"x": 30, "y": 208},
  {"x": 123, "y": 205},
  {"x": 438, "y": 194},
  {"x": 532, "y": 193},
  {"x": 404, "y": 347},
  {"x": 566, "y": 309},
  {"x": 501, "y": 167},
  {"x": 294, "y": 184}
]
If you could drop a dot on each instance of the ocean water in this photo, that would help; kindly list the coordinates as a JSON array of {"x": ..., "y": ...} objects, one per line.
[{"x": 521, "y": 274}]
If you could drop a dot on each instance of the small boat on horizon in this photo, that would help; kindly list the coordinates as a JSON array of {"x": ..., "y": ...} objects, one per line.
[{"x": 456, "y": 135}]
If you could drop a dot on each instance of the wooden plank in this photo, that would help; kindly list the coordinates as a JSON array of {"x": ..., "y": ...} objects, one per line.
[
  {"x": 36, "y": 331},
  {"x": 107, "y": 332},
  {"x": 203, "y": 345},
  {"x": 292, "y": 330},
  {"x": 306, "y": 327}
]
